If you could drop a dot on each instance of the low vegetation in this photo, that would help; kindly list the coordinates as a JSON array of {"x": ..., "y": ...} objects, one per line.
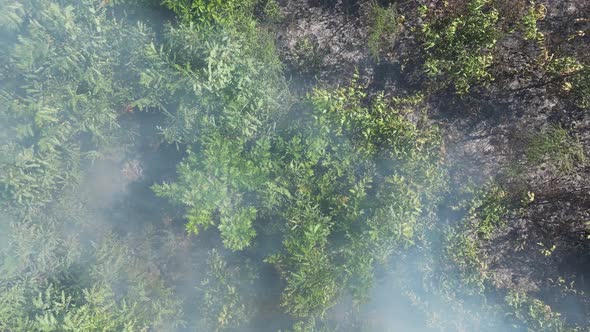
[
  {"x": 459, "y": 48},
  {"x": 556, "y": 147},
  {"x": 384, "y": 25}
]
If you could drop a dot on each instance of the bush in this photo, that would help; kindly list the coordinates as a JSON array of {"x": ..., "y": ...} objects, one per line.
[
  {"x": 557, "y": 147},
  {"x": 459, "y": 49},
  {"x": 580, "y": 86},
  {"x": 224, "y": 13},
  {"x": 52, "y": 280},
  {"x": 383, "y": 27},
  {"x": 227, "y": 299},
  {"x": 65, "y": 83}
]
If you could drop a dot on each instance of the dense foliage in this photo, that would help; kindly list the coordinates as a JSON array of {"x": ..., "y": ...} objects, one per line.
[
  {"x": 64, "y": 85},
  {"x": 459, "y": 48},
  {"x": 58, "y": 275}
]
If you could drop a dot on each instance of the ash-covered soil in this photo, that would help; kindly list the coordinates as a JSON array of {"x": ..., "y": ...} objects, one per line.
[{"x": 544, "y": 246}]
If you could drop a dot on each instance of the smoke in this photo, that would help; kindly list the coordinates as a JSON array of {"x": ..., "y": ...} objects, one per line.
[{"x": 87, "y": 241}]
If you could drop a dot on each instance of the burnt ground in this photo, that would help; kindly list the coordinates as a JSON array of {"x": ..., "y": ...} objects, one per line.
[{"x": 485, "y": 132}]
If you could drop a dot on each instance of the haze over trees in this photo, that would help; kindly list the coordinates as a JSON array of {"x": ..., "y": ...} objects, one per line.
[{"x": 208, "y": 165}]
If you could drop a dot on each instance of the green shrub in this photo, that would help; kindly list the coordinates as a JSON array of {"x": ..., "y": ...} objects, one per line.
[
  {"x": 529, "y": 21},
  {"x": 65, "y": 83},
  {"x": 383, "y": 27},
  {"x": 464, "y": 252},
  {"x": 574, "y": 77},
  {"x": 485, "y": 211},
  {"x": 488, "y": 209},
  {"x": 53, "y": 280},
  {"x": 459, "y": 49},
  {"x": 307, "y": 56},
  {"x": 214, "y": 82},
  {"x": 557, "y": 147},
  {"x": 224, "y": 13},
  {"x": 581, "y": 87},
  {"x": 227, "y": 299},
  {"x": 346, "y": 172},
  {"x": 537, "y": 315}
]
